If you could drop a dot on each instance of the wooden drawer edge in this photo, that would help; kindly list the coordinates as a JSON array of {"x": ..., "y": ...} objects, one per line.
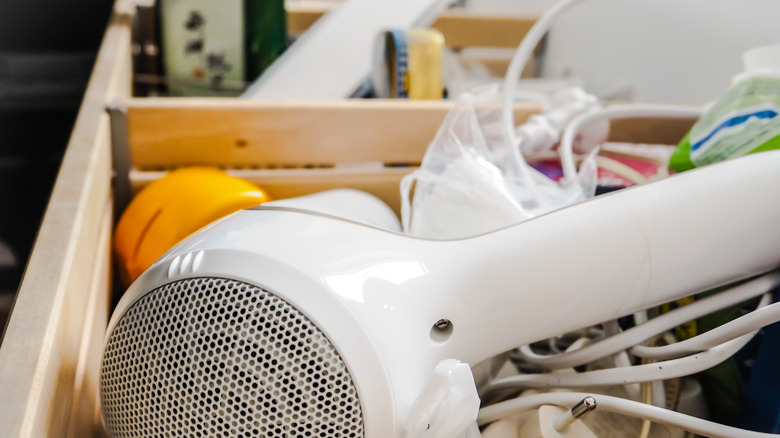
[
  {"x": 43, "y": 340},
  {"x": 166, "y": 133},
  {"x": 461, "y": 28}
]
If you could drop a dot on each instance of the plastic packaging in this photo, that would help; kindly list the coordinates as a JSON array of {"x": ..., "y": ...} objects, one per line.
[
  {"x": 745, "y": 120},
  {"x": 448, "y": 405},
  {"x": 471, "y": 182}
]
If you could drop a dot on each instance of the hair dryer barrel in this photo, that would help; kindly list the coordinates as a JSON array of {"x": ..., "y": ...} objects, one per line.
[{"x": 619, "y": 253}]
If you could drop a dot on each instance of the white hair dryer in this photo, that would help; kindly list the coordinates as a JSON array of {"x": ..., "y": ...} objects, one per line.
[{"x": 279, "y": 321}]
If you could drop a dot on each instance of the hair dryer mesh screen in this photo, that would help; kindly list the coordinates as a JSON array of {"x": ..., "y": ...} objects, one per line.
[{"x": 210, "y": 357}]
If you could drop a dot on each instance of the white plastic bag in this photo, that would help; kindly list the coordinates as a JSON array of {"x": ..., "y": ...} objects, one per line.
[
  {"x": 448, "y": 405},
  {"x": 470, "y": 182}
]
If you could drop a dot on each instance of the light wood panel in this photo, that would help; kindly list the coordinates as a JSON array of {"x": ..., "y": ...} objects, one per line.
[
  {"x": 382, "y": 182},
  {"x": 376, "y": 178},
  {"x": 60, "y": 303},
  {"x": 301, "y": 15},
  {"x": 475, "y": 29},
  {"x": 166, "y": 133},
  {"x": 650, "y": 130},
  {"x": 83, "y": 416},
  {"x": 461, "y": 28}
]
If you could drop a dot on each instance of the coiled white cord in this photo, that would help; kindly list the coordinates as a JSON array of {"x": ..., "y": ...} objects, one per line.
[
  {"x": 565, "y": 149},
  {"x": 665, "y": 370},
  {"x": 516, "y": 66},
  {"x": 655, "y": 326},
  {"x": 741, "y": 326}
]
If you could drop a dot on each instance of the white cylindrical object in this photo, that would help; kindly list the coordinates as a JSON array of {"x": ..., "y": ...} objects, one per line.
[{"x": 762, "y": 58}]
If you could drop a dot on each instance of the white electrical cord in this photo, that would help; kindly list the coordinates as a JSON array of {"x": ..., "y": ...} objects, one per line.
[
  {"x": 621, "y": 359},
  {"x": 619, "y": 406},
  {"x": 516, "y": 66},
  {"x": 743, "y": 325},
  {"x": 670, "y": 369},
  {"x": 655, "y": 326},
  {"x": 565, "y": 149},
  {"x": 657, "y": 388}
]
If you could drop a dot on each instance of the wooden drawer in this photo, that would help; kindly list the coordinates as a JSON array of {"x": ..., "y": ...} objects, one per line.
[{"x": 51, "y": 352}]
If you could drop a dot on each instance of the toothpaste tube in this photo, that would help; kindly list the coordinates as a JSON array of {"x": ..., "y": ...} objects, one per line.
[{"x": 745, "y": 120}]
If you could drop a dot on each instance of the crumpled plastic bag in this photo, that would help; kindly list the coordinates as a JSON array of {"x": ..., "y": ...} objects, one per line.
[
  {"x": 448, "y": 405},
  {"x": 470, "y": 182}
]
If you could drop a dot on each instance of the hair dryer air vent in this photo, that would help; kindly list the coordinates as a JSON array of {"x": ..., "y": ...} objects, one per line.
[{"x": 216, "y": 357}]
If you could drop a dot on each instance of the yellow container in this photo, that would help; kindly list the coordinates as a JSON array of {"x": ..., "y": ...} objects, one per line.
[{"x": 173, "y": 207}]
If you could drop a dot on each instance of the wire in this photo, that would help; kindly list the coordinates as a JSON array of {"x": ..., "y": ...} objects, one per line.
[
  {"x": 590, "y": 334},
  {"x": 621, "y": 169},
  {"x": 655, "y": 326},
  {"x": 619, "y": 406},
  {"x": 647, "y": 398},
  {"x": 621, "y": 359},
  {"x": 605, "y": 163},
  {"x": 665, "y": 370},
  {"x": 620, "y": 376},
  {"x": 653, "y": 393},
  {"x": 616, "y": 112},
  {"x": 516, "y": 66},
  {"x": 754, "y": 320}
]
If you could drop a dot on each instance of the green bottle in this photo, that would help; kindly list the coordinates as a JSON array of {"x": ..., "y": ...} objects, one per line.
[{"x": 266, "y": 34}]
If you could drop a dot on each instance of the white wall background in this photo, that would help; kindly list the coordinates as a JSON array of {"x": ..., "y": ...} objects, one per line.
[
  {"x": 521, "y": 7},
  {"x": 677, "y": 51}
]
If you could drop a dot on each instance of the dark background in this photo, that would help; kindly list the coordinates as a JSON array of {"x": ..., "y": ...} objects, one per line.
[{"x": 47, "y": 48}]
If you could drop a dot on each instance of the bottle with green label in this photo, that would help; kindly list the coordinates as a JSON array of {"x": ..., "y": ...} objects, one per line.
[
  {"x": 745, "y": 120},
  {"x": 216, "y": 48},
  {"x": 266, "y": 35}
]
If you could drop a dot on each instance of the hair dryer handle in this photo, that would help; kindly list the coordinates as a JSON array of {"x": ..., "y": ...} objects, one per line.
[{"x": 620, "y": 253}]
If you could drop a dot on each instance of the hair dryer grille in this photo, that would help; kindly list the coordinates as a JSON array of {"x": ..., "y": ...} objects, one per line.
[{"x": 211, "y": 357}]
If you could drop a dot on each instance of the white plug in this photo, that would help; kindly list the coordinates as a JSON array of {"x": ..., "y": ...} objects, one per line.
[
  {"x": 555, "y": 422},
  {"x": 543, "y": 131},
  {"x": 546, "y": 422}
]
